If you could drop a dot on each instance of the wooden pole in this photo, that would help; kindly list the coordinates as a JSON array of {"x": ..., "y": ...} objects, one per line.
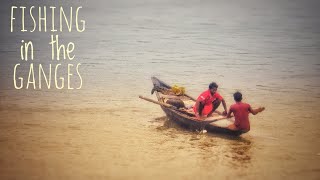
[{"x": 157, "y": 102}]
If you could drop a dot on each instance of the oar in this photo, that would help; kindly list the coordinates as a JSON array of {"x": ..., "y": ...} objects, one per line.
[
  {"x": 190, "y": 97},
  {"x": 170, "y": 106},
  {"x": 166, "y": 105},
  {"x": 206, "y": 122},
  {"x": 214, "y": 120},
  {"x": 157, "y": 102}
]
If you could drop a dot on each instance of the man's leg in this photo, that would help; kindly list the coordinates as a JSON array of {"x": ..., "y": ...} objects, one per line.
[
  {"x": 215, "y": 104},
  {"x": 233, "y": 127},
  {"x": 201, "y": 106}
]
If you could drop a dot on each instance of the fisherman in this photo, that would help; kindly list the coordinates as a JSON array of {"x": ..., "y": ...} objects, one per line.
[
  {"x": 241, "y": 112},
  {"x": 208, "y": 102}
]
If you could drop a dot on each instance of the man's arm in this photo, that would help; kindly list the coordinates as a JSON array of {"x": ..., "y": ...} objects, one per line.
[
  {"x": 229, "y": 113},
  {"x": 225, "y": 107},
  {"x": 256, "y": 111},
  {"x": 197, "y": 113}
]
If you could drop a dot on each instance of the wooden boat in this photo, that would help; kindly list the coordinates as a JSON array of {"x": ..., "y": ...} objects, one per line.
[{"x": 185, "y": 116}]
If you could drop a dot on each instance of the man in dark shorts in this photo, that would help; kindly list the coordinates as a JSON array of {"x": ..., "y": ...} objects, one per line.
[
  {"x": 241, "y": 113},
  {"x": 208, "y": 102}
]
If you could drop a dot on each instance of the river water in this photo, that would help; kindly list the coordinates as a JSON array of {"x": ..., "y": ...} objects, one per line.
[{"x": 268, "y": 50}]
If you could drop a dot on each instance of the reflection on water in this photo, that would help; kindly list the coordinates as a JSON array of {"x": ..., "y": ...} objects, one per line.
[
  {"x": 169, "y": 127},
  {"x": 234, "y": 151},
  {"x": 240, "y": 152}
]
